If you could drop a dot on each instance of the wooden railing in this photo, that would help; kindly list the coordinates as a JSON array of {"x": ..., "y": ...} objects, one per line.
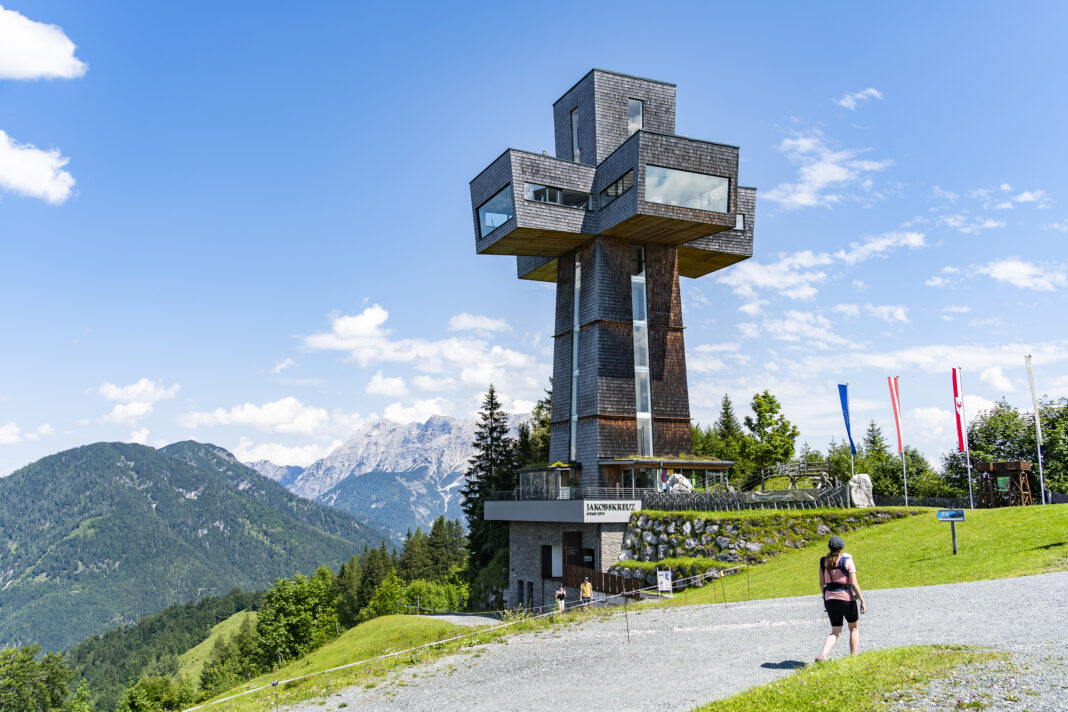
[{"x": 602, "y": 582}]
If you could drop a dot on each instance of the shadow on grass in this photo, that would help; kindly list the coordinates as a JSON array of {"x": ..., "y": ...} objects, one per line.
[
  {"x": 784, "y": 665},
  {"x": 1047, "y": 547}
]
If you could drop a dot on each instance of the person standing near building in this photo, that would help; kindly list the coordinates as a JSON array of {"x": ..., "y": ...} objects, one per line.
[
  {"x": 840, "y": 590},
  {"x": 586, "y": 592},
  {"x": 561, "y": 598}
]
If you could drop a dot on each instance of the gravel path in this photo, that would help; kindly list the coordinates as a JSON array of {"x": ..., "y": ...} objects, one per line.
[{"x": 681, "y": 657}]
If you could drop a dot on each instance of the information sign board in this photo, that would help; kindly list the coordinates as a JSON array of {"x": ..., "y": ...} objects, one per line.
[
  {"x": 663, "y": 583},
  {"x": 950, "y": 515}
]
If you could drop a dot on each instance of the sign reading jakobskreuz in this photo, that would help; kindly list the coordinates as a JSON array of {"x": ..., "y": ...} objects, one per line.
[{"x": 609, "y": 510}]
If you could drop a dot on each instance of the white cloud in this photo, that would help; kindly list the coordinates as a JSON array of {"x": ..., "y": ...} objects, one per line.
[
  {"x": 34, "y": 50},
  {"x": 283, "y": 365},
  {"x": 933, "y": 423},
  {"x": 854, "y": 100},
  {"x": 823, "y": 174},
  {"x": 860, "y": 285},
  {"x": 300, "y": 456},
  {"x": 128, "y": 413},
  {"x": 797, "y": 326},
  {"x": 11, "y": 433},
  {"x": 795, "y": 275},
  {"x": 144, "y": 391},
  {"x": 139, "y": 436},
  {"x": 753, "y": 308},
  {"x": 940, "y": 192},
  {"x": 380, "y": 385},
  {"x": 851, "y": 310},
  {"x": 418, "y": 411},
  {"x": 969, "y": 226},
  {"x": 888, "y": 312},
  {"x": 936, "y": 358},
  {"x": 956, "y": 309},
  {"x": 27, "y": 170},
  {"x": 996, "y": 379},
  {"x": 477, "y": 322},
  {"x": 1062, "y": 226},
  {"x": 937, "y": 282},
  {"x": 286, "y": 415},
  {"x": 1025, "y": 275},
  {"x": 471, "y": 361}
]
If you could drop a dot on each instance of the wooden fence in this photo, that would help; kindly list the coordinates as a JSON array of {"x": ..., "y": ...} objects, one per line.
[{"x": 602, "y": 582}]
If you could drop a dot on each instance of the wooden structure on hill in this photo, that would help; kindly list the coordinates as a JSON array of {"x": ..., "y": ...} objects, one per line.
[{"x": 1002, "y": 483}]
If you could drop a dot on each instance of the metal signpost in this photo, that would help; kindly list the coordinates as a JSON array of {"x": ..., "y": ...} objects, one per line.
[{"x": 952, "y": 516}]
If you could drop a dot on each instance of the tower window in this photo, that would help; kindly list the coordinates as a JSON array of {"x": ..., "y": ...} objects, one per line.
[
  {"x": 634, "y": 116},
  {"x": 576, "y": 154},
  {"x": 496, "y": 211}
]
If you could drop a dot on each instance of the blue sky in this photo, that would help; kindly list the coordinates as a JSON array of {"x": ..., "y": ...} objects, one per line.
[{"x": 249, "y": 223}]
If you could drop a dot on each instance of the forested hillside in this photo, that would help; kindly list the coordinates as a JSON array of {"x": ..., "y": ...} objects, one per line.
[
  {"x": 109, "y": 663},
  {"x": 102, "y": 535}
]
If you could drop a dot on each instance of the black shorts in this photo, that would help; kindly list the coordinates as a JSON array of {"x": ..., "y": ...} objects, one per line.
[{"x": 836, "y": 610}]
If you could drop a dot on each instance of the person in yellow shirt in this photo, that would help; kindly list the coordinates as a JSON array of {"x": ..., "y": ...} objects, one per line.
[{"x": 586, "y": 592}]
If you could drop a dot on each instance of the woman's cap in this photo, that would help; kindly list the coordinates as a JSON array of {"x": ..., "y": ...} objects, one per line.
[{"x": 835, "y": 543}]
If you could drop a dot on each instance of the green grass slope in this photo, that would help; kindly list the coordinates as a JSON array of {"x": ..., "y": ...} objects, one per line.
[
  {"x": 376, "y": 637},
  {"x": 870, "y": 682},
  {"x": 917, "y": 551},
  {"x": 191, "y": 662}
]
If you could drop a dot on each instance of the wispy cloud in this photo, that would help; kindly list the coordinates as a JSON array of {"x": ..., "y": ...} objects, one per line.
[
  {"x": 969, "y": 225},
  {"x": 477, "y": 322},
  {"x": 892, "y": 313},
  {"x": 279, "y": 454},
  {"x": 35, "y": 50},
  {"x": 854, "y": 100},
  {"x": 1025, "y": 275},
  {"x": 135, "y": 400},
  {"x": 380, "y": 385},
  {"x": 825, "y": 176},
  {"x": 11, "y": 433},
  {"x": 283, "y": 365},
  {"x": 1061, "y": 226},
  {"x": 796, "y": 275}
]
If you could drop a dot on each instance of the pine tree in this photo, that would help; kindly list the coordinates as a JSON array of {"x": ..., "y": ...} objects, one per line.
[
  {"x": 492, "y": 468},
  {"x": 727, "y": 426},
  {"x": 348, "y": 592},
  {"x": 448, "y": 547},
  {"x": 416, "y": 560}
]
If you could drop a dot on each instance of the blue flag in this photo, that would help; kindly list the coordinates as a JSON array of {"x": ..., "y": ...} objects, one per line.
[{"x": 843, "y": 392}]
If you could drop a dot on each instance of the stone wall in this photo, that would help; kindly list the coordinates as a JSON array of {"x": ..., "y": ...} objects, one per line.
[{"x": 705, "y": 541}]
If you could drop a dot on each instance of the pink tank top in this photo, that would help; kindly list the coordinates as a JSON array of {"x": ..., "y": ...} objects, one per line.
[{"x": 835, "y": 575}]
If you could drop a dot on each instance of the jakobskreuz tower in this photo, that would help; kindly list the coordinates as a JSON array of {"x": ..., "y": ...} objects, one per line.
[{"x": 623, "y": 210}]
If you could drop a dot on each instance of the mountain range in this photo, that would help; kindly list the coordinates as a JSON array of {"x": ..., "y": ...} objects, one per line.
[
  {"x": 394, "y": 476},
  {"x": 101, "y": 535}
]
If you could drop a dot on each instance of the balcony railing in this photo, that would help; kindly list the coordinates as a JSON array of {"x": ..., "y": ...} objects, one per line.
[{"x": 523, "y": 494}]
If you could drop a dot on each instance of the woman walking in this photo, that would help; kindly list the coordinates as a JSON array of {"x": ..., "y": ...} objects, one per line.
[{"x": 838, "y": 582}]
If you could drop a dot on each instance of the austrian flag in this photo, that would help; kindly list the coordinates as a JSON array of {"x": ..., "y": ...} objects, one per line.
[{"x": 958, "y": 406}]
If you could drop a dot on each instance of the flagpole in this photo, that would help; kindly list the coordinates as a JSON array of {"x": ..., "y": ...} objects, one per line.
[
  {"x": 967, "y": 447},
  {"x": 895, "y": 401},
  {"x": 852, "y": 470},
  {"x": 1038, "y": 428}
]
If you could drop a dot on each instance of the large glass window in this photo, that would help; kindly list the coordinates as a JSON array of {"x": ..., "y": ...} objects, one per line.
[
  {"x": 669, "y": 186},
  {"x": 642, "y": 394},
  {"x": 576, "y": 154},
  {"x": 575, "y": 355},
  {"x": 634, "y": 116},
  {"x": 496, "y": 211},
  {"x": 556, "y": 196},
  {"x": 618, "y": 188}
]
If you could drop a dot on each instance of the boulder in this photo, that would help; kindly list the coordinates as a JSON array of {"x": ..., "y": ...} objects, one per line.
[
  {"x": 649, "y": 538},
  {"x": 662, "y": 552},
  {"x": 723, "y": 542},
  {"x": 647, "y": 553},
  {"x": 731, "y": 558},
  {"x": 679, "y": 483},
  {"x": 670, "y": 527},
  {"x": 823, "y": 529},
  {"x": 699, "y": 525},
  {"x": 689, "y": 543},
  {"x": 712, "y": 528},
  {"x": 706, "y": 540},
  {"x": 754, "y": 546},
  {"x": 643, "y": 522},
  {"x": 628, "y": 540},
  {"x": 674, "y": 540},
  {"x": 860, "y": 491},
  {"x": 659, "y": 527},
  {"x": 663, "y": 538},
  {"x": 687, "y": 528}
]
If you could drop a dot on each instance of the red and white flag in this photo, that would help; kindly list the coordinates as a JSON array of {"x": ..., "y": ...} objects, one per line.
[
  {"x": 895, "y": 400},
  {"x": 958, "y": 406}
]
